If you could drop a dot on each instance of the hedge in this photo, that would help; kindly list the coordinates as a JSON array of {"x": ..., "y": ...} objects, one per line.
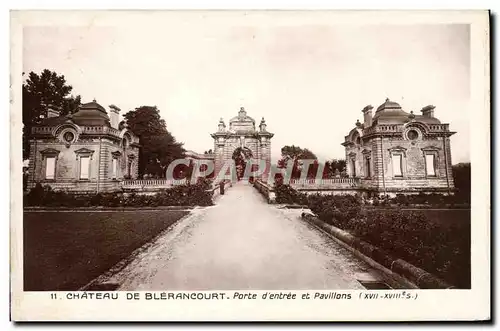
[
  {"x": 286, "y": 194},
  {"x": 182, "y": 195},
  {"x": 441, "y": 249}
]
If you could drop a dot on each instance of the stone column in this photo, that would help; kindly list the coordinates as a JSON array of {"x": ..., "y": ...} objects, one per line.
[{"x": 265, "y": 154}]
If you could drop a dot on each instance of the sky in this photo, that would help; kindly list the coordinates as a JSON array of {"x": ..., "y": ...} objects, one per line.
[{"x": 309, "y": 79}]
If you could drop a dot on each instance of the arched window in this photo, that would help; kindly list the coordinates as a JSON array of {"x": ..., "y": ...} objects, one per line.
[
  {"x": 356, "y": 138},
  {"x": 367, "y": 163},
  {"x": 126, "y": 140},
  {"x": 352, "y": 164}
]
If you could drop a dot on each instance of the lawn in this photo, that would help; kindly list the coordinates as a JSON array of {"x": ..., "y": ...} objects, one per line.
[{"x": 66, "y": 250}]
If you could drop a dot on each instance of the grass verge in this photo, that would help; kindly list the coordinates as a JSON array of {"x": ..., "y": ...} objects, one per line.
[{"x": 66, "y": 250}]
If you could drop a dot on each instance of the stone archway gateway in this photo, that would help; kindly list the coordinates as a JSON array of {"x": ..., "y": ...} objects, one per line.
[{"x": 242, "y": 136}]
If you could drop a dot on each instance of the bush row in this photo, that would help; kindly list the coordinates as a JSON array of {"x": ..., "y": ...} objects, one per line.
[
  {"x": 286, "y": 194},
  {"x": 432, "y": 199},
  {"x": 441, "y": 249},
  {"x": 182, "y": 195}
]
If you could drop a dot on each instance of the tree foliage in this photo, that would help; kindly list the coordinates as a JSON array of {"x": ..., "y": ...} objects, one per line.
[
  {"x": 335, "y": 168},
  {"x": 158, "y": 146},
  {"x": 41, "y": 91},
  {"x": 295, "y": 154},
  {"x": 461, "y": 179}
]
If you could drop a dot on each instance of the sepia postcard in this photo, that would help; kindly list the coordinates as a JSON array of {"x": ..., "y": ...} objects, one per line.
[{"x": 252, "y": 165}]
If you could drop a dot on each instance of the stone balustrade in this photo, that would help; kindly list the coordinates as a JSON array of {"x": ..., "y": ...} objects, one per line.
[
  {"x": 92, "y": 130},
  {"x": 41, "y": 130},
  {"x": 105, "y": 130},
  {"x": 151, "y": 184},
  {"x": 439, "y": 127}
]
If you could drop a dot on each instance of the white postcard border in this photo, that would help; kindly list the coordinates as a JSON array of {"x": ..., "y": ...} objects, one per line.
[{"x": 431, "y": 305}]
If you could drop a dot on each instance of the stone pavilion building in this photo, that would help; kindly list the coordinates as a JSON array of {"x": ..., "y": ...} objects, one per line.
[
  {"x": 394, "y": 151},
  {"x": 87, "y": 151}
]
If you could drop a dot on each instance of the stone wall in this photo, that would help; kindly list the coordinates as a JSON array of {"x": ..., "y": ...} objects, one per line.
[
  {"x": 66, "y": 171},
  {"x": 413, "y": 165},
  {"x": 266, "y": 190},
  {"x": 224, "y": 150},
  {"x": 67, "y": 164}
]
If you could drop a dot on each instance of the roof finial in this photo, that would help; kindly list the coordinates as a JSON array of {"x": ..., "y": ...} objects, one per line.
[
  {"x": 386, "y": 99},
  {"x": 242, "y": 112},
  {"x": 94, "y": 100}
]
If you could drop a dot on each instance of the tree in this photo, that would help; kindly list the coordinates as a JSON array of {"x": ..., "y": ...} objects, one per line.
[
  {"x": 295, "y": 154},
  {"x": 158, "y": 146},
  {"x": 40, "y": 92}
]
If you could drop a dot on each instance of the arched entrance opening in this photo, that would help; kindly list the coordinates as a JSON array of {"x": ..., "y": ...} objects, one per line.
[{"x": 241, "y": 155}]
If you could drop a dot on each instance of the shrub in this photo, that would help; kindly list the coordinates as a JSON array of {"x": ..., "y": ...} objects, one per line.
[
  {"x": 182, "y": 195},
  {"x": 35, "y": 195},
  {"x": 96, "y": 200},
  {"x": 335, "y": 209},
  {"x": 431, "y": 199},
  {"x": 441, "y": 249},
  {"x": 205, "y": 183},
  {"x": 402, "y": 200},
  {"x": 462, "y": 180}
]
